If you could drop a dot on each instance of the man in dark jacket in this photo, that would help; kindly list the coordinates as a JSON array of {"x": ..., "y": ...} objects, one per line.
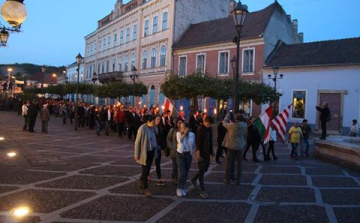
[
  {"x": 32, "y": 114},
  {"x": 80, "y": 114},
  {"x": 324, "y": 118},
  {"x": 253, "y": 139},
  {"x": 204, "y": 148}
]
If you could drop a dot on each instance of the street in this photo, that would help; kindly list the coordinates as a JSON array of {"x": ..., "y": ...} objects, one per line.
[{"x": 76, "y": 176}]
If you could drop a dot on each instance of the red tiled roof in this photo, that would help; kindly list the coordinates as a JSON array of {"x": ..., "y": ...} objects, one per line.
[
  {"x": 223, "y": 30},
  {"x": 331, "y": 52}
]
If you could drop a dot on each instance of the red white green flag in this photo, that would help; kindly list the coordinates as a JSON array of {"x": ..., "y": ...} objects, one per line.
[
  {"x": 169, "y": 106},
  {"x": 263, "y": 124}
]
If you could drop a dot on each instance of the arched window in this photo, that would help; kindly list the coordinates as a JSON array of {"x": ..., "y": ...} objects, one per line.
[
  {"x": 133, "y": 57},
  {"x": 103, "y": 67},
  {"x": 113, "y": 64},
  {"x": 153, "y": 58},
  {"x": 144, "y": 60},
  {"x": 126, "y": 63},
  {"x": 163, "y": 56},
  {"x": 152, "y": 96},
  {"x": 120, "y": 64},
  {"x": 155, "y": 24}
]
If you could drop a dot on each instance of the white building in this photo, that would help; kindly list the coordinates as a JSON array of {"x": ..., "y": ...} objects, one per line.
[
  {"x": 71, "y": 73},
  {"x": 317, "y": 72}
]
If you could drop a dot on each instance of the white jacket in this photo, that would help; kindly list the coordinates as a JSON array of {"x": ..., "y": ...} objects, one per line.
[{"x": 189, "y": 142}]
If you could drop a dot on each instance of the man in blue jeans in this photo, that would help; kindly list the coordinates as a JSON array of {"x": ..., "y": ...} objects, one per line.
[{"x": 306, "y": 130}]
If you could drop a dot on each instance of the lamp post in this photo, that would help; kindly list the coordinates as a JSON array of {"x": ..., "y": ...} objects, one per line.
[
  {"x": 14, "y": 13},
  {"x": 79, "y": 60},
  {"x": 133, "y": 77},
  {"x": 239, "y": 14},
  {"x": 94, "y": 79},
  {"x": 276, "y": 77},
  {"x": 43, "y": 70},
  {"x": 9, "y": 78}
]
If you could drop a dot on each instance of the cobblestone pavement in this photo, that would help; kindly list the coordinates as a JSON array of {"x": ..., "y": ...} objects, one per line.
[{"x": 69, "y": 176}]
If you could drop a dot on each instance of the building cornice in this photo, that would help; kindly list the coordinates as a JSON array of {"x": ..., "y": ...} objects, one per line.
[{"x": 314, "y": 68}]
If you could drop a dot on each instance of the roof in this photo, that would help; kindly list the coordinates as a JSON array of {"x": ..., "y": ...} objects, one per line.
[
  {"x": 331, "y": 52},
  {"x": 223, "y": 30}
]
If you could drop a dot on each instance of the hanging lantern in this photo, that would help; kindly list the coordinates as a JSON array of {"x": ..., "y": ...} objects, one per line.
[
  {"x": 14, "y": 12},
  {"x": 4, "y": 35}
]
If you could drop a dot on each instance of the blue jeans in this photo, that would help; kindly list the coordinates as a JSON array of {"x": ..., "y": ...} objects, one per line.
[
  {"x": 294, "y": 149},
  {"x": 232, "y": 157},
  {"x": 184, "y": 163},
  {"x": 307, "y": 143},
  {"x": 97, "y": 126}
]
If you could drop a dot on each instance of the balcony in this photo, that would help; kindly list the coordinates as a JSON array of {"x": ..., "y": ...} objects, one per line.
[{"x": 116, "y": 76}]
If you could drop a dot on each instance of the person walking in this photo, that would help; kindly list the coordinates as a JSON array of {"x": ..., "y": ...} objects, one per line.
[
  {"x": 24, "y": 113},
  {"x": 172, "y": 145},
  {"x": 253, "y": 139},
  {"x": 158, "y": 128},
  {"x": 107, "y": 118},
  {"x": 234, "y": 141},
  {"x": 325, "y": 117},
  {"x": 32, "y": 113},
  {"x": 354, "y": 130},
  {"x": 98, "y": 118},
  {"x": 45, "y": 118},
  {"x": 120, "y": 120},
  {"x": 204, "y": 149},
  {"x": 145, "y": 151},
  {"x": 295, "y": 135},
  {"x": 221, "y": 135},
  {"x": 272, "y": 144},
  {"x": 305, "y": 141},
  {"x": 185, "y": 149}
]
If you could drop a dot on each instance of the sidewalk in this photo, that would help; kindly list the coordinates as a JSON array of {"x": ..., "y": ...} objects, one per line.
[{"x": 78, "y": 177}]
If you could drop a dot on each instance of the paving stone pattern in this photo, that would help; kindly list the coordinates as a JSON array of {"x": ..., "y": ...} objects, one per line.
[{"x": 76, "y": 176}]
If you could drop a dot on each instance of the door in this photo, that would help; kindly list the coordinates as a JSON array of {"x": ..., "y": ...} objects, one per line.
[{"x": 334, "y": 102}]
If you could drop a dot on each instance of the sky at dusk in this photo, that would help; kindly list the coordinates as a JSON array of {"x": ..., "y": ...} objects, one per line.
[{"x": 54, "y": 31}]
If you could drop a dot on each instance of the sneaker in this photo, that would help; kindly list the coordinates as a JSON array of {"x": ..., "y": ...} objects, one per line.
[
  {"x": 204, "y": 195},
  {"x": 183, "y": 193},
  {"x": 147, "y": 193},
  {"x": 193, "y": 182},
  {"x": 160, "y": 182},
  {"x": 178, "y": 193}
]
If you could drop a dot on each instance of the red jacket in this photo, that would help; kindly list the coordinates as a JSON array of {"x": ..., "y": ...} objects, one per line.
[{"x": 120, "y": 116}]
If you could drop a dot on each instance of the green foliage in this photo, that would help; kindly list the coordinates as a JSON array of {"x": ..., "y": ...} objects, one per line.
[
  {"x": 192, "y": 86},
  {"x": 31, "y": 69}
]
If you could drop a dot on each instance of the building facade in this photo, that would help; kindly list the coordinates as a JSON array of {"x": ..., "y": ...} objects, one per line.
[
  {"x": 208, "y": 47},
  {"x": 137, "y": 38},
  {"x": 325, "y": 71}
]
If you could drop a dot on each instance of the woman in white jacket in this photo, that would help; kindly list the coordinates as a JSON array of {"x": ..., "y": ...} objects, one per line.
[{"x": 185, "y": 149}]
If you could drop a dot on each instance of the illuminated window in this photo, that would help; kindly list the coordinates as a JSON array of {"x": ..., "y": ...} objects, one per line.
[{"x": 299, "y": 103}]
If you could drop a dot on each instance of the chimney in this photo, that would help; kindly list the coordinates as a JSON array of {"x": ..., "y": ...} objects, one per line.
[
  {"x": 295, "y": 29},
  {"x": 301, "y": 37},
  {"x": 289, "y": 17}
]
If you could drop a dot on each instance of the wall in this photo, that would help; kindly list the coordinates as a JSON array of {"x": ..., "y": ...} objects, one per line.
[
  {"x": 319, "y": 79},
  {"x": 195, "y": 11}
]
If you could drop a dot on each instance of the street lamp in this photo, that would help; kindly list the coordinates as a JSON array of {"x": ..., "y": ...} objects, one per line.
[
  {"x": 239, "y": 14},
  {"x": 9, "y": 80},
  {"x": 133, "y": 77},
  {"x": 276, "y": 77},
  {"x": 79, "y": 60},
  {"x": 13, "y": 12}
]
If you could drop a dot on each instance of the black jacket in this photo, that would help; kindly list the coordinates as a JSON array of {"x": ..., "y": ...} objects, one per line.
[
  {"x": 204, "y": 141},
  {"x": 324, "y": 113},
  {"x": 33, "y": 111},
  {"x": 221, "y": 134}
]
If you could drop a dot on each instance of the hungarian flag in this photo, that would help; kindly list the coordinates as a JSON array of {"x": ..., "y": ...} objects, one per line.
[
  {"x": 279, "y": 123},
  {"x": 169, "y": 106},
  {"x": 263, "y": 124}
]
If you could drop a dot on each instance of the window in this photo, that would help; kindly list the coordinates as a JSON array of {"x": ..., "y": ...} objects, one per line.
[
  {"x": 248, "y": 63},
  {"x": 113, "y": 64},
  {"x": 224, "y": 63},
  {"x": 90, "y": 73},
  {"x": 164, "y": 20},
  {"x": 200, "y": 63},
  {"x": 163, "y": 56},
  {"x": 135, "y": 32},
  {"x": 104, "y": 44},
  {"x": 88, "y": 50},
  {"x": 103, "y": 67},
  {"x": 120, "y": 64},
  {"x": 121, "y": 37},
  {"x": 100, "y": 46},
  {"x": 133, "y": 57},
  {"x": 107, "y": 66},
  {"x": 146, "y": 28},
  {"x": 126, "y": 63},
  {"x": 109, "y": 42},
  {"x": 99, "y": 66},
  {"x": 153, "y": 58},
  {"x": 144, "y": 60},
  {"x": 299, "y": 102},
  {"x": 128, "y": 35},
  {"x": 182, "y": 66},
  {"x": 115, "y": 39},
  {"x": 155, "y": 24},
  {"x": 94, "y": 48}
]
